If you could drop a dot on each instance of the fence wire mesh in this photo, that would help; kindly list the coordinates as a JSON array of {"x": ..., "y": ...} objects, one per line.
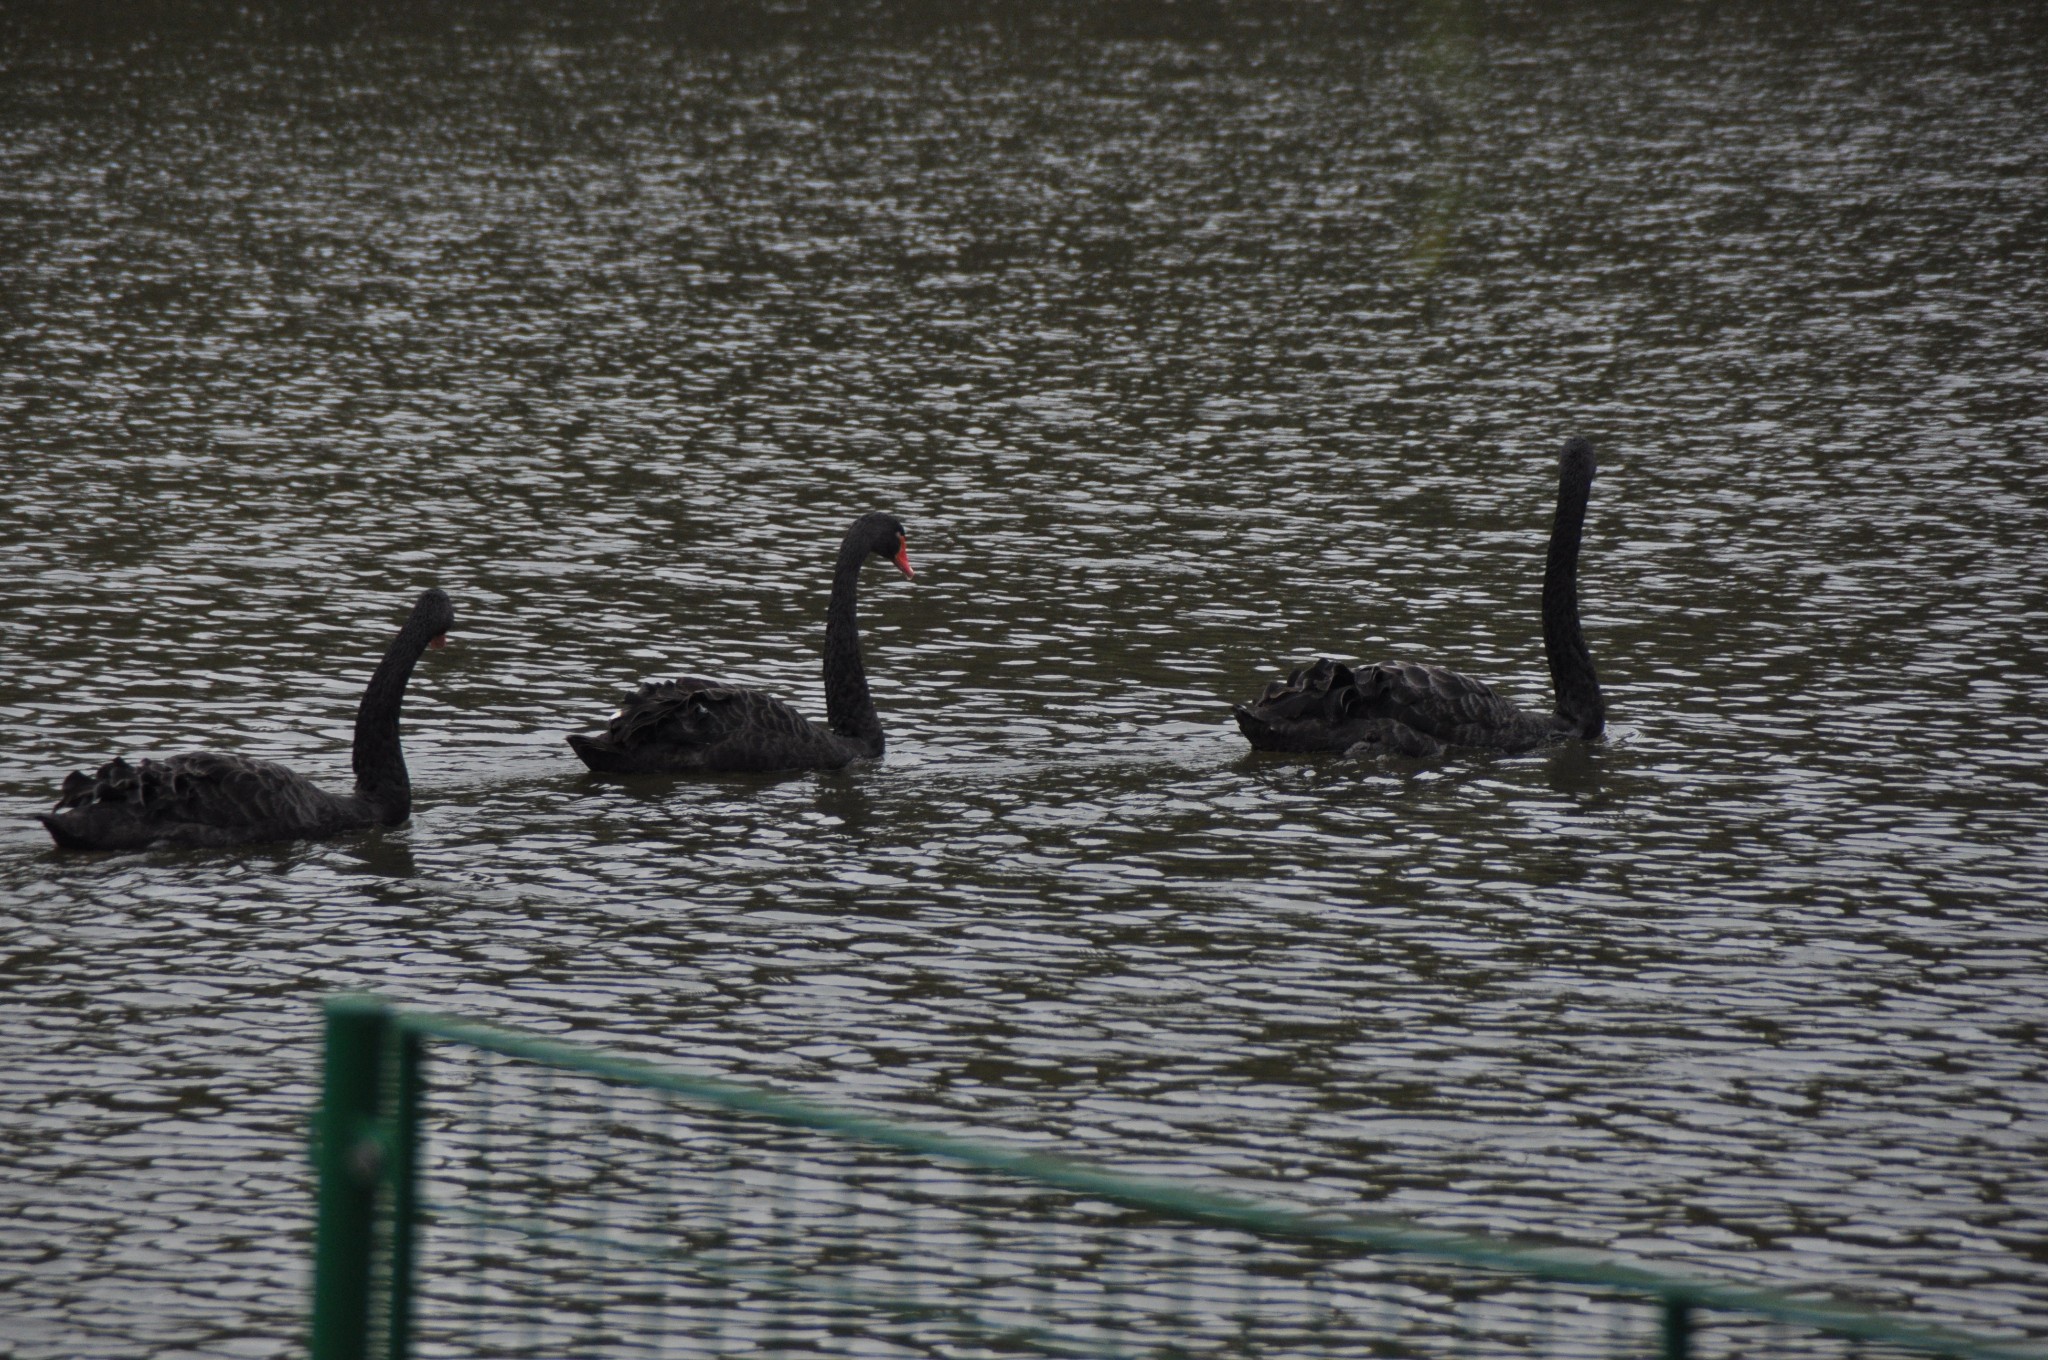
[{"x": 565, "y": 1214}]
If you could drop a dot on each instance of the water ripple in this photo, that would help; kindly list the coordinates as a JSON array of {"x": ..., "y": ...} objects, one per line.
[{"x": 1181, "y": 372}]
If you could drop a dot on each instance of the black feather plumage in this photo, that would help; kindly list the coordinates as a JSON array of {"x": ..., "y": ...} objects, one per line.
[
  {"x": 1402, "y": 707},
  {"x": 698, "y": 726},
  {"x": 206, "y": 798}
]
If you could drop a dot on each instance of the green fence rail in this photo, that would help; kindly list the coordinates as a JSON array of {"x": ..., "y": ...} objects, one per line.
[{"x": 665, "y": 1217}]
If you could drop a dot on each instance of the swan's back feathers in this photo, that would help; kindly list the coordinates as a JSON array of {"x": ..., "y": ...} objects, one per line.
[
  {"x": 202, "y": 798},
  {"x": 1322, "y": 708},
  {"x": 692, "y": 724},
  {"x": 1452, "y": 707}
]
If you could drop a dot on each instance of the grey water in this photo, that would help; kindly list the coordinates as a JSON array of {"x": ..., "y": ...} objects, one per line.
[{"x": 1188, "y": 355}]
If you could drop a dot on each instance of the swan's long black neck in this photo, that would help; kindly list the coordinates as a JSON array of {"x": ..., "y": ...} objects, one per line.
[
  {"x": 381, "y": 779},
  {"x": 849, "y": 708},
  {"x": 1571, "y": 664}
]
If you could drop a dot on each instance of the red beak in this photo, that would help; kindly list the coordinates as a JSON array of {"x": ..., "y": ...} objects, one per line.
[
  {"x": 439, "y": 640},
  {"x": 902, "y": 558}
]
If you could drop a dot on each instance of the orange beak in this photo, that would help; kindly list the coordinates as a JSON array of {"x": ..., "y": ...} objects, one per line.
[{"x": 902, "y": 558}]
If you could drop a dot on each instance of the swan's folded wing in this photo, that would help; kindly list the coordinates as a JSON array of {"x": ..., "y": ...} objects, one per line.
[
  {"x": 690, "y": 724},
  {"x": 683, "y": 713},
  {"x": 187, "y": 799},
  {"x": 656, "y": 707},
  {"x": 1447, "y": 705}
]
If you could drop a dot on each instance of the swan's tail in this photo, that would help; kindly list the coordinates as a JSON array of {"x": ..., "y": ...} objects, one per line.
[
  {"x": 1269, "y": 731},
  {"x": 1256, "y": 730},
  {"x": 66, "y": 839},
  {"x": 601, "y": 755},
  {"x": 1308, "y": 711}
]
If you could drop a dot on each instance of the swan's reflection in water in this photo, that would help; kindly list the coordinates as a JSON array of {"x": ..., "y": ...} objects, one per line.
[
  {"x": 849, "y": 800},
  {"x": 387, "y": 855},
  {"x": 1576, "y": 770}
]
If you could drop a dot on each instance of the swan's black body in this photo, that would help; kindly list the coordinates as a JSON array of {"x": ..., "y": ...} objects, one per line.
[
  {"x": 1404, "y": 708},
  {"x": 694, "y": 726},
  {"x": 204, "y": 798},
  {"x": 1322, "y": 708}
]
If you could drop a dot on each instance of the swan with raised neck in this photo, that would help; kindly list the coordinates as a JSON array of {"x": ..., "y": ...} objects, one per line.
[
  {"x": 208, "y": 798},
  {"x": 693, "y": 725},
  {"x": 1409, "y": 708}
]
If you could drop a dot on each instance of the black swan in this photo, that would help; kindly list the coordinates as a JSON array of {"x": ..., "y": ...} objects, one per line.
[
  {"x": 692, "y": 725},
  {"x": 1399, "y": 707},
  {"x": 204, "y": 798}
]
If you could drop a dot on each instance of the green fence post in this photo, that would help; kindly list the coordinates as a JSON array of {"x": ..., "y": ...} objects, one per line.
[
  {"x": 346, "y": 1157},
  {"x": 1677, "y": 1329},
  {"x": 404, "y": 1177}
]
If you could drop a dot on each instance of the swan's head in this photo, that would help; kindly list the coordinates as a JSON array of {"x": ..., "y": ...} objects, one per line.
[
  {"x": 884, "y": 536},
  {"x": 432, "y": 617}
]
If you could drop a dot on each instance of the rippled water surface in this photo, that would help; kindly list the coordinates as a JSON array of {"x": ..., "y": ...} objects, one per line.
[{"x": 1186, "y": 357}]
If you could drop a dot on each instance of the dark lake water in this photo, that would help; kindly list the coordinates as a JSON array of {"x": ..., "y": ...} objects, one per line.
[{"x": 1187, "y": 357}]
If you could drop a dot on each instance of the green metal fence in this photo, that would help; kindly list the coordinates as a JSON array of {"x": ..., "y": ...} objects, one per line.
[{"x": 524, "y": 1196}]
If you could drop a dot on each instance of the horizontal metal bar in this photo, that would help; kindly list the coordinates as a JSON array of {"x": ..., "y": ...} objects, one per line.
[{"x": 1554, "y": 1264}]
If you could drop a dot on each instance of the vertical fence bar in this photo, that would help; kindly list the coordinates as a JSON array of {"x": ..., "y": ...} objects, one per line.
[
  {"x": 402, "y": 1174},
  {"x": 1677, "y": 1330},
  {"x": 346, "y": 1156}
]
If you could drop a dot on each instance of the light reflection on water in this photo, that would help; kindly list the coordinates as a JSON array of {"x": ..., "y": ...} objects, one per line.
[{"x": 1141, "y": 340}]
